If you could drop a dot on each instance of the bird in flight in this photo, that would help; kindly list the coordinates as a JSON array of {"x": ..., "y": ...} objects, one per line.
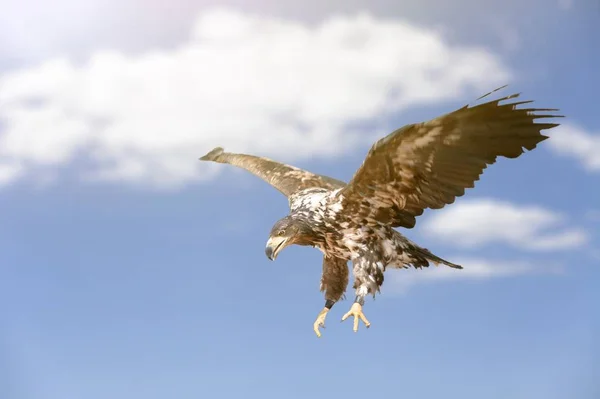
[{"x": 419, "y": 166}]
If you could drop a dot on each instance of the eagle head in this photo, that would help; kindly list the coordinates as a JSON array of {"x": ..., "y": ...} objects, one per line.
[{"x": 287, "y": 231}]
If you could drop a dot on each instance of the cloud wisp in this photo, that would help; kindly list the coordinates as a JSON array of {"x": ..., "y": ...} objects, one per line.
[
  {"x": 477, "y": 222},
  {"x": 475, "y": 269},
  {"x": 249, "y": 83},
  {"x": 573, "y": 141}
]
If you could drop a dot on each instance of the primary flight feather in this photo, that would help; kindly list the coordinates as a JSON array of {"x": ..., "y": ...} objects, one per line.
[{"x": 419, "y": 166}]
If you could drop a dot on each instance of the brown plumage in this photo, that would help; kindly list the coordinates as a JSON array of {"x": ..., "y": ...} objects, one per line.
[
  {"x": 419, "y": 166},
  {"x": 285, "y": 178},
  {"x": 428, "y": 165},
  {"x": 334, "y": 278}
]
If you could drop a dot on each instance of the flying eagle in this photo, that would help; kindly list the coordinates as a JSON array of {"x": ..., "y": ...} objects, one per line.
[{"x": 419, "y": 166}]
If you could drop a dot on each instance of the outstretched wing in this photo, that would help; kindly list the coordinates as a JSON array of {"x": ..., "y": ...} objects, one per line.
[
  {"x": 428, "y": 165},
  {"x": 285, "y": 178}
]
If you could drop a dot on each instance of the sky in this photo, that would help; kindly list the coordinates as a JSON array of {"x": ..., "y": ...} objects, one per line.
[{"x": 129, "y": 269}]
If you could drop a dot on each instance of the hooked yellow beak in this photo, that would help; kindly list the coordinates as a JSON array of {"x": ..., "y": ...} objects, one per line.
[{"x": 274, "y": 246}]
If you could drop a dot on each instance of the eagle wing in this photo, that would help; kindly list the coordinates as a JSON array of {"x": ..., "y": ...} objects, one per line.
[
  {"x": 429, "y": 164},
  {"x": 285, "y": 178}
]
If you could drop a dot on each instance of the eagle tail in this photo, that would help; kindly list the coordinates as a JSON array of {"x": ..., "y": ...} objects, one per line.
[{"x": 436, "y": 260}]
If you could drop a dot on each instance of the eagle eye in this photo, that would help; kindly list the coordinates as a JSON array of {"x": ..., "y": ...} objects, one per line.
[{"x": 281, "y": 232}]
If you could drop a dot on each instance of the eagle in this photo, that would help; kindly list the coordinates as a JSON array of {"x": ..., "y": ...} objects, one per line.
[{"x": 416, "y": 167}]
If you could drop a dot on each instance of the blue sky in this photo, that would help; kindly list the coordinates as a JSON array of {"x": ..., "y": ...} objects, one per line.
[{"x": 130, "y": 270}]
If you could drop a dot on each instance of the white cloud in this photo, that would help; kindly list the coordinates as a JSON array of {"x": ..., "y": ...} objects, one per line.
[
  {"x": 477, "y": 222},
  {"x": 9, "y": 172},
  {"x": 248, "y": 83},
  {"x": 475, "y": 269},
  {"x": 573, "y": 141}
]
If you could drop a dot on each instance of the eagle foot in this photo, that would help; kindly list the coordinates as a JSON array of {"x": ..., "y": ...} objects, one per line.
[
  {"x": 320, "y": 322},
  {"x": 356, "y": 311}
]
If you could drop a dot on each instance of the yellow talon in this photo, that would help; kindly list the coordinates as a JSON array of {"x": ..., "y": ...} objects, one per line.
[
  {"x": 320, "y": 322},
  {"x": 356, "y": 311}
]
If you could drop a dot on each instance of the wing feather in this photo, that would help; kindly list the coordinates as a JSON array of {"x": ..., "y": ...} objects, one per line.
[
  {"x": 285, "y": 178},
  {"x": 429, "y": 164}
]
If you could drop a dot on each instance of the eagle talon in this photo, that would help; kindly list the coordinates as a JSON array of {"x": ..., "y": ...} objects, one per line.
[
  {"x": 320, "y": 322},
  {"x": 356, "y": 311}
]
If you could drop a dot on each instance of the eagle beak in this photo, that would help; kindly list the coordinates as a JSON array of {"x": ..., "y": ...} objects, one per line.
[{"x": 274, "y": 246}]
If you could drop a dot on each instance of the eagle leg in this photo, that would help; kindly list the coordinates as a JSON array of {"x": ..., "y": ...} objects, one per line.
[
  {"x": 334, "y": 280},
  {"x": 320, "y": 322},
  {"x": 356, "y": 311},
  {"x": 368, "y": 273}
]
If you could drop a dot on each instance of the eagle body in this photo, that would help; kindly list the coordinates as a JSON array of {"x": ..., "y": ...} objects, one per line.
[
  {"x": 371, "y": 246},
  {"x": 419, "y": 166}
]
